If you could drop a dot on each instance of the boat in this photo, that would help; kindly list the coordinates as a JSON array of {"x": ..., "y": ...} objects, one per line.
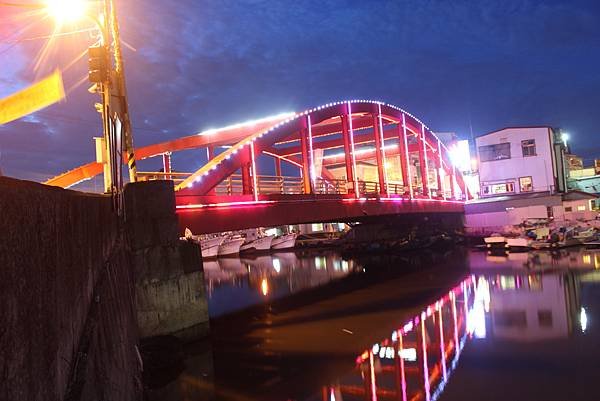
[
  {"x": 585, "y": 235},
  {"x": 231, "y": 246},
  {"x": 495, "y": 241},
  {"x": 256, "y": 241},
  {"x": 540, "y": 244},
  {"x": 518, "y": 244},
  {"x": 209, "y": 246},
  {"x": 285, "y": 241}
]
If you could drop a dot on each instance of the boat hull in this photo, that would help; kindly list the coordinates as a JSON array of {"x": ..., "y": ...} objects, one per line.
[
  {"x": 230, "y": 247},
  {"x": 495, "y": 242},
  {"x": 284, "y": 242},
  {"x": 262, "y": 244},
  {"x": 518, "y": 244},
  {"x": 210, "y": 247}
]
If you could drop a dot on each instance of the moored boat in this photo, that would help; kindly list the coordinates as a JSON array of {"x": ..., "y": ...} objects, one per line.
[
  {"x": 285, "y": 241},
  {"x": 495, "y": 241},
  {"x": 260, "y": 244},
  {"x": 231, "y": 246},
  {"x": 210, "y": 246},
  {"x": 518, "y": 244}
]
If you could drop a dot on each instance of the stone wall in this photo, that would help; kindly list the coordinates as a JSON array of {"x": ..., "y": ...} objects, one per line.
[
  {"x": 67, "y": 318},
  {"x": 169, "y": 279}
]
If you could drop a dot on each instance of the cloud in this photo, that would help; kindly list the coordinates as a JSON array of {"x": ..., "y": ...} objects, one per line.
[{"x": 203, "y": 64}]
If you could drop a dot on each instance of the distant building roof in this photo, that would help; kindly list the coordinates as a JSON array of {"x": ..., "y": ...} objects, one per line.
[
  {"x": 578, "y": 195},
  {"x": 522, "y": 127}
]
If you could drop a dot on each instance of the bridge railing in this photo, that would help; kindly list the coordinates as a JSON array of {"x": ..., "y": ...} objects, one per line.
[
  {"x": 287, "y": 185},
  {"x": 330, "y": 186},
  {"x": 280, "y": 185}
]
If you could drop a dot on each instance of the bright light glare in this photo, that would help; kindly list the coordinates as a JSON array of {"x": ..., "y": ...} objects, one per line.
[
  {"x": 66, "y": 10},
  {"x": 565, "y": 137},
  {"x": 276, "y": 265},
  {"x": 264, "y": 287},
  {"x": 583, "y": 320},
  {"x": 460, "y": 155}
]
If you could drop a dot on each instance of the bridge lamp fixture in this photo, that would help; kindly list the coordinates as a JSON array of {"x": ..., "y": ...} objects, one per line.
[{"x": 565, "y": 138}]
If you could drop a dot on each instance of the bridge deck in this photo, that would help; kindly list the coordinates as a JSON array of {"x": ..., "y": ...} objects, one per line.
[{"x": 211, "y": 214}]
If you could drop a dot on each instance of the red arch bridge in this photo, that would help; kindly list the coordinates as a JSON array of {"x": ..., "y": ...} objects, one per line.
[{"x": 350, "y": 159}]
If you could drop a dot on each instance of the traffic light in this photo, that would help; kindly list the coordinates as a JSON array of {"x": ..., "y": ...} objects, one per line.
[{"x": 98, "y": 64}]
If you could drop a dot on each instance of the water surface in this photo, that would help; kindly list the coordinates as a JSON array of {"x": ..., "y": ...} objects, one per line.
[{"x": 454, "y": 325}]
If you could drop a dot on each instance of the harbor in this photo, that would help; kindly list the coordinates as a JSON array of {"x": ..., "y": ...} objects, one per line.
[{"x": 279, "y": 345}]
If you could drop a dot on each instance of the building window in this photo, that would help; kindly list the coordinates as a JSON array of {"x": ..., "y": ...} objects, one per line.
[
  {"x": 545, "y": 318},
  {"x": 499, "y": 151},
  {"x": 497, "y": 189},
  {"x": 525, "y": 184},
  {"x": 528, "y": 147},
  {"x": 568, "y": 209},
  {"x": 581, "y": 208}
]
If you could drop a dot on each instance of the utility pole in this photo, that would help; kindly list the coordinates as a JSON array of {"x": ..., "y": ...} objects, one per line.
[{"x": 107, "y": 73}]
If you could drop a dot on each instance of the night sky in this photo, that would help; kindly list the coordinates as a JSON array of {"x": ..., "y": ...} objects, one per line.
[{"x": 204, "y": 64}]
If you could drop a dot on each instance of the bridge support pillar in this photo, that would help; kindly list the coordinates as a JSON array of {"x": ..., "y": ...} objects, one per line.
[
  {"x": 423, "y": 162},
  {"x": 380, "y": 151},
  {"x": 210, "y": 154},
  {"x": 246, "y": 179},
  {"x": 405, "y": 156},
  {"x": 306, "y": 156},
  {"x": 440, "y": 170},
  {"x": 277, "y": 166},
  {"x": 348, "y": 155},
  {"x": 453, "y": 183}
]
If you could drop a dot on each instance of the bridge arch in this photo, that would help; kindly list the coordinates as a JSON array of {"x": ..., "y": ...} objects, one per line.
[{"x": 348, "y": 125}]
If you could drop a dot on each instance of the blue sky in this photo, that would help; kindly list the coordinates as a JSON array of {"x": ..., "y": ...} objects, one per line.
[{"x": 203, "y": 64}]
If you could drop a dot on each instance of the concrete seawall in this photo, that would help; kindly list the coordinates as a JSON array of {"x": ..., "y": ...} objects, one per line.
[
  {"x": 169, "y": 278},
  {"x": 67, "y": 322}
]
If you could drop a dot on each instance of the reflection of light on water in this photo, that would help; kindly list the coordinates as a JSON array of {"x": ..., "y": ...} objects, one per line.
[
  {"x": 583, "y": 320},
  {"x": 481, "y": 304},
  {"x": 409, "y": 354},
  {"x": 264, "y": 286},
  {"x": 320, "y": 262},
  {"x": 587, "y": 259},
  {"x": 276, "y": 265}
]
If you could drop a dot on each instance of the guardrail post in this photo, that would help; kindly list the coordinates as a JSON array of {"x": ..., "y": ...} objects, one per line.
[{"x": 167, "y": 165}]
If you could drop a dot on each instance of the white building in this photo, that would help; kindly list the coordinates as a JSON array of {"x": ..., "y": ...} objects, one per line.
[
  {"x": 521, "y": 160},
  {"x": 522, "y": 174}
]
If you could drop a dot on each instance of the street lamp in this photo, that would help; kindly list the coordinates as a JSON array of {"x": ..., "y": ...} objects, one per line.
[{"x": 64, "y": 11}]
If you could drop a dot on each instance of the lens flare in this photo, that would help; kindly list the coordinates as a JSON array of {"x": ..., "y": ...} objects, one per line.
[{"x": 66, "y": 11}]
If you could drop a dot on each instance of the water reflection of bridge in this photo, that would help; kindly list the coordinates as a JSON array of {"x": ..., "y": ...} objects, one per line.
[{"x": 417, "y": 360}]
